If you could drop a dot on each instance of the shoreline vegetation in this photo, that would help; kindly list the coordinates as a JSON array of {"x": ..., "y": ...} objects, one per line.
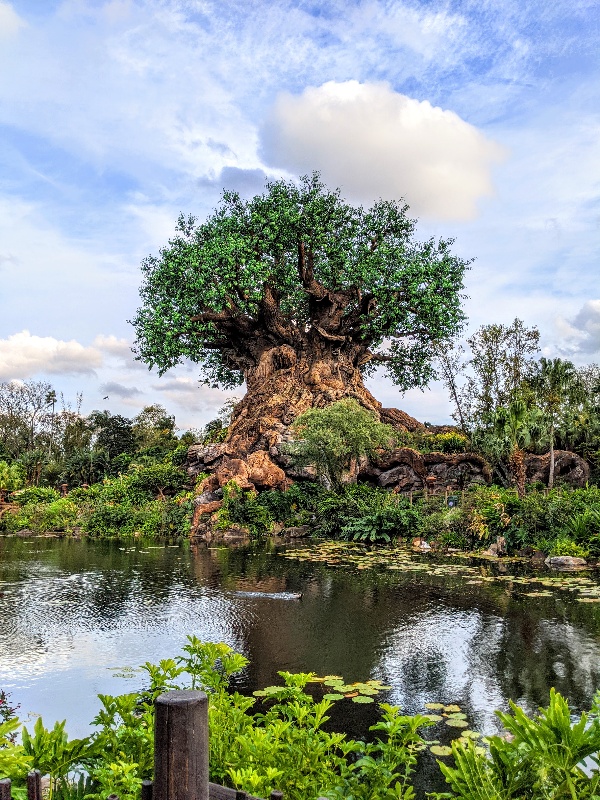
[
  {"x": 141, "y": 488},
  {"x": 282, "y": 738}
]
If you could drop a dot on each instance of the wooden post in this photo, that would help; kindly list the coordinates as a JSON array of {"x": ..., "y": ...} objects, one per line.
[
  {"x": 276, "y": 795},
  {"x": 147, "y": 790},
  {"x": 181, "y": 746},
  {"x": 5, "y": 789},
  {"x": 34, "y": 785},
  {"x": 410, "y": 497}
]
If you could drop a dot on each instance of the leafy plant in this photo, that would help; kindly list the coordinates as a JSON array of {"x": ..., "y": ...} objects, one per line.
[
  {"x": 542, "y": 759},
  {"x": 331, "y": 438},
  {"x": 241, "y": 507}
]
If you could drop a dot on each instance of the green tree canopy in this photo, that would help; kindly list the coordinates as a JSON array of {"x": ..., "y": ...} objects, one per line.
[
  {"x": 330, "y": 438},
  {"x": 298, "y": 266}
]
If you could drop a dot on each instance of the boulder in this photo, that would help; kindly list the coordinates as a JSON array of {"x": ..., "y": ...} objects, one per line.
[
  {"x": 568, "y": 468},
  {"x": 565, "y": 562},
  {"x": 406, "y": 470},
  {"x": 233, "y": 469},
  {"x": 297, "y": 532},
  {"x": 263, "y": 473}
]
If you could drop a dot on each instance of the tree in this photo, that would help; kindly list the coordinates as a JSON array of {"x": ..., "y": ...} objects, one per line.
[
  {"x": 23, "y": 413},
  {"x": 299, "y": 294},
  {"x": 331, "y": 439},
  {"x": 513, "y": 425},
  {"x": 501, "y": 359},
  {"x": 154, "y": 430},
  {"x": 555, "y": 382},
  {"x": 114, "y": 433}
]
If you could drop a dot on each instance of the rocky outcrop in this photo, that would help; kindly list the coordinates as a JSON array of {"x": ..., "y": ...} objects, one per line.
[
  {"x": 263, "y": 473},
  {"x": 568, "y": 468},
  {"x": 406, "y": 470}
]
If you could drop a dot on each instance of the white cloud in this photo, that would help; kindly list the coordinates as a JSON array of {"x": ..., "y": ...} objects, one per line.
[
  {"x": 10, "y": 21},
  {"x": 582, "y": 333},
  {"x": 374, "y": 142},
  {"x": 119, "y": 348},
  {"x": 23, "y": 355}
]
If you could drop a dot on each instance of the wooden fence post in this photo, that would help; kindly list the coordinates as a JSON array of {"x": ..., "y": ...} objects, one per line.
[
  {"x": 5, "y": 789},
  {"x": 181, "y": 746},
  {"x": 34, "y": 785}
]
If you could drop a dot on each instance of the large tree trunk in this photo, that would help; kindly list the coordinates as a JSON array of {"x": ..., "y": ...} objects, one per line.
[{"x": 287, "y": 382}]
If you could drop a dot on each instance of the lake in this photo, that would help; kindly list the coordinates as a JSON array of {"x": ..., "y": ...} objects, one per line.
[{"x": 78, "y": 617}]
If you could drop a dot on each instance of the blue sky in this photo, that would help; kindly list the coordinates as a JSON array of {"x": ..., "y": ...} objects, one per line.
[{"x": 115, "y": 116}]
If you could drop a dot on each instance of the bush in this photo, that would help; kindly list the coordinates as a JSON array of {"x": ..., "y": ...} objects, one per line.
[
  {"x": 564, "y": 546},
  {"x": 242, "y": 508},
  {"x": 35, "y": 494},
  {"x": 59, "y": 515},
  {"x": 393, "y": 519},
  {"x": 330, "y": 438},
  {"x": 448, "y": 526}
]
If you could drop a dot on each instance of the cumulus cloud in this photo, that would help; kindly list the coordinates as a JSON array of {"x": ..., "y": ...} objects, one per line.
[
  {"x": 112, "y": 387},
  {"x": 23, "y": 355},
  {"x": 113, "y": 346},
  {"x": 10, "y": 21},
  {"x": 374, "y": 142},
  {"x": 583, "y": 331}
]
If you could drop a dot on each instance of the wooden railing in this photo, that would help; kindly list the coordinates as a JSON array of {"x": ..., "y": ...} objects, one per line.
[{"x": 180, "y": 756}]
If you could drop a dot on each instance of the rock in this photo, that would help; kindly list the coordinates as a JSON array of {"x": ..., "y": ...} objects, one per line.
[
  {"x": 492, "y": 551},
  {"x": 208, "y": 508},
  {"x": 496, "y": 549},
  {"x": 400, "y": 420},
  {"x": 568, "y": 468},
  {"x": 405, "y": 470},
  {"x": 297, "y": 532},
  {"x": 233, "y": 469},
  {"x": 206, "y": 497},
  {"x": 420, "y": 544},
  {"x": 565, "y": 562},
  {"x": 263, "y": 473}
]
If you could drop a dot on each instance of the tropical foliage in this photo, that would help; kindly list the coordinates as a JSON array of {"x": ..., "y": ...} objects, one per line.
[{"x": 280, "y": 739}]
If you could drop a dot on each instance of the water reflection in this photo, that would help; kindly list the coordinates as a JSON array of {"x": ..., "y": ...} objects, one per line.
[{"x": 72, "y": 614}]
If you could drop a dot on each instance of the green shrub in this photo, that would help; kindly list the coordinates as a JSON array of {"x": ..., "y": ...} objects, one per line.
[
  {"x": 448, "y": 526},
  {"x": 330, "y": 438},
  {"x": 242, "y": 508},
  {"x": 451, "y": 442},
  {"x": 35, "y": 494},
  {"x": 294, "y": 506},
  {"x": 59, "y": 515},
  {"x": 12, "y": 476},
  {"x": 393, "y": 519},
  {"x": 544, "y": 757},
  {"x": 564, "y": 546},
  {"x": 155, "y": 480}
]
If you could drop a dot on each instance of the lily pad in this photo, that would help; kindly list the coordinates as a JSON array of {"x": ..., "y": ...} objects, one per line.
[
  {"x": 333, "y": 696},
  {"x": 470, "y": 735},
  {"x": 441, "y": 750},
  {"x": 457, "y": 715},
  {"x": 362, "y": 699},
  {"x": 434, "y": 717},
  {"x": 457, "y": 723},
  {"x": 434, "y": 706},
  {"x": 452, "y": 708}
]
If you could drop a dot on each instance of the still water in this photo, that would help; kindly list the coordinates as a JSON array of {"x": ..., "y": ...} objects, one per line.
[{"x": 77, "y": 618}]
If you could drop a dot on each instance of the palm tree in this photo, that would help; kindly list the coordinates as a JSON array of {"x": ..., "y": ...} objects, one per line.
[
  {"x": 556, "y": 383},
  {"x": 513, "y": 424}
]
